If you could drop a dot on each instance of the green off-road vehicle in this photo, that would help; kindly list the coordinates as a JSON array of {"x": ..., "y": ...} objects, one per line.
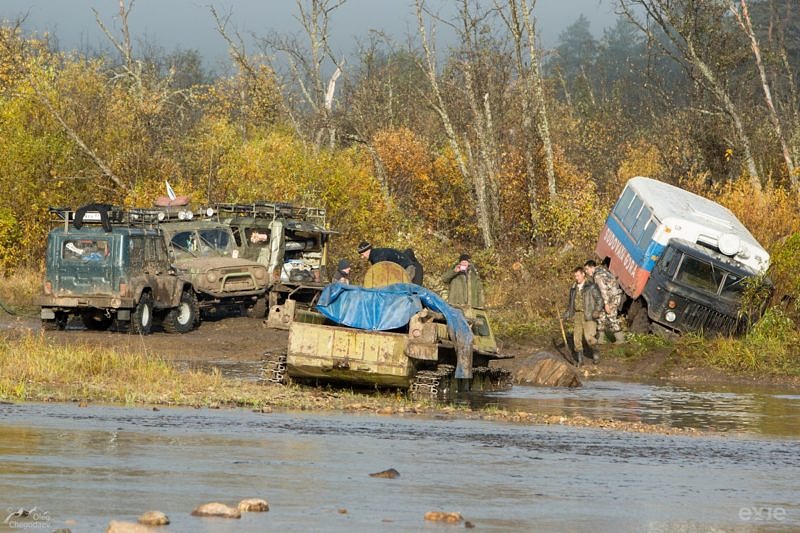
[
  {"x": 292, "y": 243},
  {"x": 105, "y": 267},
  {"x": 204, "y": 252}
]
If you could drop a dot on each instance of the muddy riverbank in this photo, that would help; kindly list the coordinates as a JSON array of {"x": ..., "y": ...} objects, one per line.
[
  {"x": 240, "y": 340},
  {"x": 233, "y": 349}
]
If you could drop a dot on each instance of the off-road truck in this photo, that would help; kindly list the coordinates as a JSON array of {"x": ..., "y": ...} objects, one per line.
[
  {"x": 292, "y": 243},
  {"x": 104, "y": 267},
  {"x": 204, "y": 252}
]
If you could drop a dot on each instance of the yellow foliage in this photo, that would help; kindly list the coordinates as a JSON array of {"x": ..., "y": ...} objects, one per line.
[
  {"x": 431, "y": 188},
  {"x": 641, "y": 159},
  {"x": 277, "y": 167},
  {"x": 751, "y": 207}
]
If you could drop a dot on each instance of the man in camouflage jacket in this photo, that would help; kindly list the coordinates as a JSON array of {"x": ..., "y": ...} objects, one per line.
[{"x": 613, "y": 297}]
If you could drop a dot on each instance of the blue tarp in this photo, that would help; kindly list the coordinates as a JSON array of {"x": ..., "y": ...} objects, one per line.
[{"x": 391, "y": 307}]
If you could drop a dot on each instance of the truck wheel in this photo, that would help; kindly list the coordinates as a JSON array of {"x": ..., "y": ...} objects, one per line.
[
  {"x": 182, "y": 319},
  {"x": 96, "y": 322},
  {"x": 258, "y": 309},
  {"x": 638, "y": 321},
  {"x": 142, "y": 316},
  {"x": 59, "y": 323}
]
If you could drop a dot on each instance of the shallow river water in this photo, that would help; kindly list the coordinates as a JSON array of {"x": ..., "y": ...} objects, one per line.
[{"x": 81, "y": 467}]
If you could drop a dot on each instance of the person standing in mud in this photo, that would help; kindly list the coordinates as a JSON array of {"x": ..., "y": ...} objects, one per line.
[
  {"x": 342, "y": 274},
  {"x": 584, "y": 306},
  {"x": 465, "y": 288},
  {"x": 612, "y": 302}
]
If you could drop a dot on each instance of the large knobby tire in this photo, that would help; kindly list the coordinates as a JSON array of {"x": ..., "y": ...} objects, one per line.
[
  {"x": 142, "y": 316},
  {"x": 638, "y": 321},
  {"x": 183, "y": 318},
  {"x": 96, "y": 322}
]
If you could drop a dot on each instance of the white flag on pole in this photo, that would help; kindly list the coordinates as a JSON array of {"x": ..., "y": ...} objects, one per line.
[{"x": 170, "y": 192}]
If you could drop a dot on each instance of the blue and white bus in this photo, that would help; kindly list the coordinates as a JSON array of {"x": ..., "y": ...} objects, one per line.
[{"x": 681, "y": 256}]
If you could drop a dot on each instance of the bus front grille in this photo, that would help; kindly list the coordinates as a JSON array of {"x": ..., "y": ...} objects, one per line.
[{"x": 701, "y": 318}]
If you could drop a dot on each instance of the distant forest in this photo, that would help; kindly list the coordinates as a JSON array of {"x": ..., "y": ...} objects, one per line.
[{"x": 493, "y": 145}]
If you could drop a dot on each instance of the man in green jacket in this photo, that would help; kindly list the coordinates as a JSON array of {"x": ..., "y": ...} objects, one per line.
[
  {"x": 465, "y": 288},
  {"x": 584, "y": 306}
]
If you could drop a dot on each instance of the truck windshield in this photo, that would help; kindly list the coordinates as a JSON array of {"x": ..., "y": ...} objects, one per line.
[
  {"x": 86, "y": 250},
  {"x": 700, "y": 274},
  {"x": 203, "y": 243},
  {"x": 733, "y": 286}
]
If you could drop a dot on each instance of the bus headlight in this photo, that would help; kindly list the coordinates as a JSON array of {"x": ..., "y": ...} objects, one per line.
[{"x": 670, "y": 316}]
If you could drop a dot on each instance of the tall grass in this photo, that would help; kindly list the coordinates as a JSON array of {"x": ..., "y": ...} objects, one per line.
[
  {"x": 19, "y": 289},
  {"x": 32, "y": 368},
  {"x": 772, "y": 346}
]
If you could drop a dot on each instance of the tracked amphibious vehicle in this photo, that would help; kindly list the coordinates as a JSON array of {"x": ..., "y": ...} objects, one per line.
[{"x": 392, "y": 334}]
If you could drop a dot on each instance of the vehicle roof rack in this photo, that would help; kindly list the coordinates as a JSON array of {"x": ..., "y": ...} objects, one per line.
[
  {"x": 273, "y": 210},
  {"x": 117, "y": 216},
  {"x": 89, "y": 215}
]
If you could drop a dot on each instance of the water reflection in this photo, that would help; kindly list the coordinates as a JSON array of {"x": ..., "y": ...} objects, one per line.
[{"x": 745, "y": 409}]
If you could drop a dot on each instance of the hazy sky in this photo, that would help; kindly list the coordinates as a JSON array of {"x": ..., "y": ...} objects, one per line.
[{"x": 188, "y": 24}]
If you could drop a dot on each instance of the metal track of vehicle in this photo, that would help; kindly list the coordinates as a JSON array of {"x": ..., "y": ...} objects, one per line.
[
  {"x": 493, "y": 378},
  {"x": 430, "y": 383},
  {"x": 437, "y": 383},
  {"x": 274, "y": 370}
]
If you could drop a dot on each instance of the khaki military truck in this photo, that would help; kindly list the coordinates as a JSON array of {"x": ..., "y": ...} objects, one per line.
[
  {"x": 292, "y": 243},
  {"x": 426, "y": 355},
  {"x": 204, "y": 252},
  {"x": 106, "y": 267}
]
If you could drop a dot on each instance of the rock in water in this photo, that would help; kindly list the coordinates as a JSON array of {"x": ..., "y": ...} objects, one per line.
[
  {"x": 116, "y": 526},
  {"x": 547, "y": 369},
  {"x": 253, "y": 505},
  {"x": 438, "y": 516},
  {"x": 388, "y": 474},
  {"x": 219, "y": 510},
  {"x": 154, "y": 518}
]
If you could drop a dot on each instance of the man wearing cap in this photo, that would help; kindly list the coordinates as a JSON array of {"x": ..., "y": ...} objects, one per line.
[
  {"x": 342, "y": 274},
  {"x": 465, "y": 287}
]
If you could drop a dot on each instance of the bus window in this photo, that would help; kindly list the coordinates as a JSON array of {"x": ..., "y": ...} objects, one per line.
[
  {"x": 641, "y": 221},
  {"x": 647, "y": 235},
  {"x": 623, "y": 203},
  {"x": 632, "y": 214},
  {"x": 699, "y": 274},
  {"x": 732, "y": 287}
]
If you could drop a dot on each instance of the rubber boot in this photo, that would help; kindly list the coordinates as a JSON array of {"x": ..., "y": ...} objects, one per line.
[
  {"x": 619, "y": 337},
  {"x": 601, "y": 337},
  {"x": 579, "y": 357}
]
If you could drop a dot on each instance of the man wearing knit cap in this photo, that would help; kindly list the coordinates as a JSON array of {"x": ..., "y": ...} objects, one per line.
[
  {"x": 342, "y": 274},
  {"x": 464, "y": 284}
]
